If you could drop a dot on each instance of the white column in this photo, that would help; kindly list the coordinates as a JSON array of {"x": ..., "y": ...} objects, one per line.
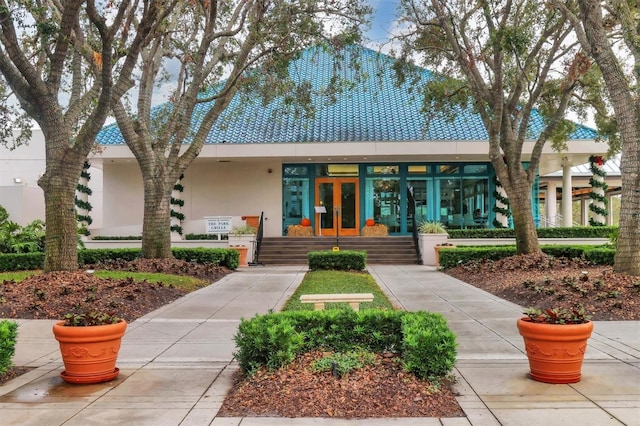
[
  {"x": 504, "y": 220},
  {"x": 567, "y": 214},
  {"x": 584, "y": 204},
  {"x": 598, "y": 218},
  {"x": 550, "y": 203}
]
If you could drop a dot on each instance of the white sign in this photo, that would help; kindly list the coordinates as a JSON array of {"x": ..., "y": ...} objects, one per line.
[
  {"x": 217, "y": 224},
  {"x": 320, "y": 209}
]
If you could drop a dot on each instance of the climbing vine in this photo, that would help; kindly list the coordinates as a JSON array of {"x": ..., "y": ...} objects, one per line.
[
  {"x": 84, "y": 207},
  {"x": 178, "y": 202},
  {"x": 598, "y": 190},
  {"x": 505, "y": 211}
]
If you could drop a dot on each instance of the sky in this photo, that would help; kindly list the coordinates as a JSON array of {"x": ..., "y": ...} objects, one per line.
[{"x": 384, "y": 15}]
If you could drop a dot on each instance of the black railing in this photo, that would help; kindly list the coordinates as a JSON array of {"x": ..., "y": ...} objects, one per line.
[
  {"x": 411, "y": 214},
  {"x": 256, "y": 252}
]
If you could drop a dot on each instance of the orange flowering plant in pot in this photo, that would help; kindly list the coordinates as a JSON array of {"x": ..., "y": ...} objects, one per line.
[
  {"x": 89, "y": 345},
  {"x": 555, "y": 341}
]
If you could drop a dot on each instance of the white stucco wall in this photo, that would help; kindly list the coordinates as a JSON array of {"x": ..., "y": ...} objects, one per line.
[{"x": 211, "y": 189}]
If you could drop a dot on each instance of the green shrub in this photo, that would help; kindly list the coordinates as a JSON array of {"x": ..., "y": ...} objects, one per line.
[
  {"x": 206, "y": 237},
  {"x": 341, "y": 364},
  {"x": 116, "y": 237},
  {"x": 560, "y": 232},
  {"x": 599, "y": 255},
  {"x": 21, "y": 261},
  {"x": 267, "y": 340},
  {"x": 8, "y": 336},
  {"x": 423, "y": 340},
  {"x": 343, "y": 260},
  {"x": 429, "y": 346}
]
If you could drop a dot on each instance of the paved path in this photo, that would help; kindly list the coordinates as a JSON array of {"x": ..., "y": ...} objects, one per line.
[{"x": 176, "y": 362}]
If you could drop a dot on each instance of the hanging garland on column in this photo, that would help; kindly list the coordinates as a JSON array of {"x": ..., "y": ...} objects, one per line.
[
  {"x": 179, "y": 203},
  {"x": 505, "y": 211},
  {"x": 84, "y": 220},
  {"x": 600, "y": 202}
]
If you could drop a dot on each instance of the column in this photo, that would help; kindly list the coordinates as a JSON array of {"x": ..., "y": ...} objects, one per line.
[
  {"x": 550, "y": 204},
  {"x": 567, "y": 196}
]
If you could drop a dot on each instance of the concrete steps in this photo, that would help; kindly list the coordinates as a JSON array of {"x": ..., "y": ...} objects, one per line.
[{"x": 380, "y": 250}]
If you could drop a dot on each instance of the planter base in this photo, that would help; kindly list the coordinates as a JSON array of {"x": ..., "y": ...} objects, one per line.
[{"x": 90, "y": 379}]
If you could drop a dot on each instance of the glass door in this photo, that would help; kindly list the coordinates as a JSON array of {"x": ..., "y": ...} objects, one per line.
[{"x": 339, "y": 196}]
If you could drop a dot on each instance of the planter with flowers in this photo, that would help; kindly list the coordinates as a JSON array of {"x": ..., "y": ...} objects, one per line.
[
  {"x": 89, "y": 344},
  {"x": 430, "y": 235},
  {"x": 555, "y": 341},
  {"x": 241, "y": 238}
]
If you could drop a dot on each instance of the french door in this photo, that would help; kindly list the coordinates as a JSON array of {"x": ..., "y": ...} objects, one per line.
[{"x": 339, "y": 196}]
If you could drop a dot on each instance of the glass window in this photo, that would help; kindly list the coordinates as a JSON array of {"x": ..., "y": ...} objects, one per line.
[
  {"x": 295, "y": 203},
  {"x": 337, "y": 170},
  {"x": 383, "y": 202},
  {"x": 295, "y": 171},
  {"x": 419, "y": 195},
  {"x": 475, "y": 202},
  {"x": 478, "y": 169},
  {"x": 450, "y": 203},
  {"x": 382, "y": 170},
  {"x": 419, "y": 169},
  {"x": 447, "y": 169}
]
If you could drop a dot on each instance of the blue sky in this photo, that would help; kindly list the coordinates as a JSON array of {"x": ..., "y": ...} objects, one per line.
[{"x": 382, "y": 22}]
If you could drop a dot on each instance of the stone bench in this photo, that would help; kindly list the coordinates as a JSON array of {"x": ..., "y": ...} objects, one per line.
[{"x": 353, "y": 299}]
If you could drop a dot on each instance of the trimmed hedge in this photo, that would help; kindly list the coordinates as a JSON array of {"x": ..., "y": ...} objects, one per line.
[
  {"x": 450, "y": 257},
  {"x": 30, "y": 261},
  {"x": 425, "y": 343},
  {"x": 21, "y": 261},
  {"x": 8, "y": 337},
  {"x": 560, "y": 232},
  {"x": 343, "y": 260}
]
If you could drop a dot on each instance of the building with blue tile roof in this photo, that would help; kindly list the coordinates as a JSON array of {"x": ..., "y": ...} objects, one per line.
[{"x": 369, "y": 154}]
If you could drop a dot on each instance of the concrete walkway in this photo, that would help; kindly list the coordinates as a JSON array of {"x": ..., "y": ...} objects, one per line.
[{"x": 176, "y": 362}]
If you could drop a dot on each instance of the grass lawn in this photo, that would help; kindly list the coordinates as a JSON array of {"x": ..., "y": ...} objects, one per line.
[
  {"x": 320, "y": 282},
  {"x": 185, "y": 283}
]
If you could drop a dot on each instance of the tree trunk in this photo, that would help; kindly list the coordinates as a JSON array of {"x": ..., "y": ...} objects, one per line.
[
  {"x": 156, "y": 232},
  {"x": 518, "y": 191},
  {"x": 627, "y": 112},
  {"x": 63, "y": 168}
]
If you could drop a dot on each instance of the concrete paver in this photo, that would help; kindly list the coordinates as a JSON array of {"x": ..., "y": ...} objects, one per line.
[{"x": 177, "y": 362}]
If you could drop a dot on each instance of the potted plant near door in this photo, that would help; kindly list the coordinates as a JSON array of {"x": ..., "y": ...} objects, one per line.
[
  {"x": 241, "y": 239},
  {"x": 555, "y": 341},
  {"x": 89, "y": 344},
  {"x": 430, "y": 235}
]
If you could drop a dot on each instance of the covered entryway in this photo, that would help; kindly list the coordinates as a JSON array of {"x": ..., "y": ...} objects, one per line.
[{"x": 340, "y": 198}]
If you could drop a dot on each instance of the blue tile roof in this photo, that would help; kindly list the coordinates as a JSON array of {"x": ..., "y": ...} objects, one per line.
[{"x": 376, "y": 109}]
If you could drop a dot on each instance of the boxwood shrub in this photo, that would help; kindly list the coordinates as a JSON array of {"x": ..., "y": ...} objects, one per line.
[
  {"x": 30, "y": 261},
  {"x": 8, "y": 336},
  {"x": 560, "y": 232},
  {"x": 343, "y": 260},
  {"x": 599, "y": 255},
  {"x": 423, "y": 340}
]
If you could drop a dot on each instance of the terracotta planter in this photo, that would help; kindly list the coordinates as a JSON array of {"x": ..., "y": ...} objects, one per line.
[
  {"x": 555, "y": 351},
  {"x": 305, "y": 221},
  {"x": 242, "y": 250},
  {"x": 89, "y": 353}
]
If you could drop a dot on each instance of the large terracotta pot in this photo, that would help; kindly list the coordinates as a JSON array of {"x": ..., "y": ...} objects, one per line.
[
  {"x": 555, "y": 351},
  {"x": 242, "y": 251},
  {"x": 89, "y": 353}
]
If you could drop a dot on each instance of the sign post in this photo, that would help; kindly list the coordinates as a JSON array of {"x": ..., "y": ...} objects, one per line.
[
  {"x": 319, "y": 210},
  {"x": 217, "y": 225}
]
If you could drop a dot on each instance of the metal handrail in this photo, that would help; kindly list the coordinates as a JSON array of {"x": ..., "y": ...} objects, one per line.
[{"x": 412, "y": 202}]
